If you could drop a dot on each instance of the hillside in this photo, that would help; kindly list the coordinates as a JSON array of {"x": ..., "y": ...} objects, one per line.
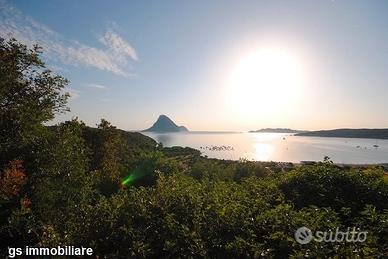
[{"x": 132, "y": 144}]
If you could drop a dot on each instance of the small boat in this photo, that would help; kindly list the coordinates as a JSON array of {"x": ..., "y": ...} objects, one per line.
[{"x": 376, "y": 146}]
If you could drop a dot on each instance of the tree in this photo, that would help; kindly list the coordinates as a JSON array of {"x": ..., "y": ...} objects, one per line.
[
  {"x": 62, "y": 181},
  {"x": 111, "y": 147},
  {"x": 30, "y": 95}
]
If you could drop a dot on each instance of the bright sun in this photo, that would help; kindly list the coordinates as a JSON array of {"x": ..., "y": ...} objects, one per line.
[{"x": 265, "y": 82}]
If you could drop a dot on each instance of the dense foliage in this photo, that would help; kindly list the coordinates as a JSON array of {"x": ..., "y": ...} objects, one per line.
[{"x": 124, "y": 196}]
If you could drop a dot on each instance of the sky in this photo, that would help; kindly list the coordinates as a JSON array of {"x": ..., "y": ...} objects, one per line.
[{"x": 214, "y": 65}]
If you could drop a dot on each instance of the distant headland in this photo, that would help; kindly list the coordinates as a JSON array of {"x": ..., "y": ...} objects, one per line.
[
  {"x": 348, "y": 133},
  {"x": 277, "y": 130},
  {"x": 165, "y": 124}
]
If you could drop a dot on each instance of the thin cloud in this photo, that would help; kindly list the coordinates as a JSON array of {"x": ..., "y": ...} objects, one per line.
[
  {"x": 118, "y": 45},
  {"x": 70, "y": 52},
  {"x": 97, "y": 86}
]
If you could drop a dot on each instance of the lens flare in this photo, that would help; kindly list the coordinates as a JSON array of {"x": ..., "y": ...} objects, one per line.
[
  {"x": 128, "y": 180},
  {"x": 131, "y": 177}
]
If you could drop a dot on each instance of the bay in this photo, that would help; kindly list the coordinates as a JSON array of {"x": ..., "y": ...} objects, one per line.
[{"x": 278, "y": 146}]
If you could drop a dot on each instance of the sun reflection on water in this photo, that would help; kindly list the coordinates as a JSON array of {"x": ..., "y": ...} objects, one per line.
[
  {"x": 263, "y": 151},
  {"x": 264, "y": 146}
]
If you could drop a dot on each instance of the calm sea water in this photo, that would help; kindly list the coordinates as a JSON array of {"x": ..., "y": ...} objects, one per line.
[{"x": 278, "y": 147}]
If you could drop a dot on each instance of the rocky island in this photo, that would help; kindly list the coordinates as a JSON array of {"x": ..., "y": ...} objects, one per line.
[{"x": 165, "y": 124}]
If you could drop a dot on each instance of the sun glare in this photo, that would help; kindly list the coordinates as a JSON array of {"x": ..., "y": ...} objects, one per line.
[{"x": 265, "y": 81}]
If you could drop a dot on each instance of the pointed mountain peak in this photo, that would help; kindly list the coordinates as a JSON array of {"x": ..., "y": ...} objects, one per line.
[
  {"x": 165, "y": 124},
  {"x": 163, "y": 117}
]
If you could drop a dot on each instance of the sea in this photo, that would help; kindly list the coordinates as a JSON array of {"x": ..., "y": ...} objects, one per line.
[{"x": 278, "y": 147}]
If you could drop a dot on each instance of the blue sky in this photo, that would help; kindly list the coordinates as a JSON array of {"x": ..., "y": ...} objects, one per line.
[{"x": 129, "y": 61}]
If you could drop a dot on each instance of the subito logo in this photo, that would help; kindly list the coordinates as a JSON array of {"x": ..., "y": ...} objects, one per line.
[{"x": 303, "y": 235}]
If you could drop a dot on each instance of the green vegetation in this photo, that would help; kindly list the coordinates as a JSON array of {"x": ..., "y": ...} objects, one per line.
[{"x": 125, "y": 196}]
